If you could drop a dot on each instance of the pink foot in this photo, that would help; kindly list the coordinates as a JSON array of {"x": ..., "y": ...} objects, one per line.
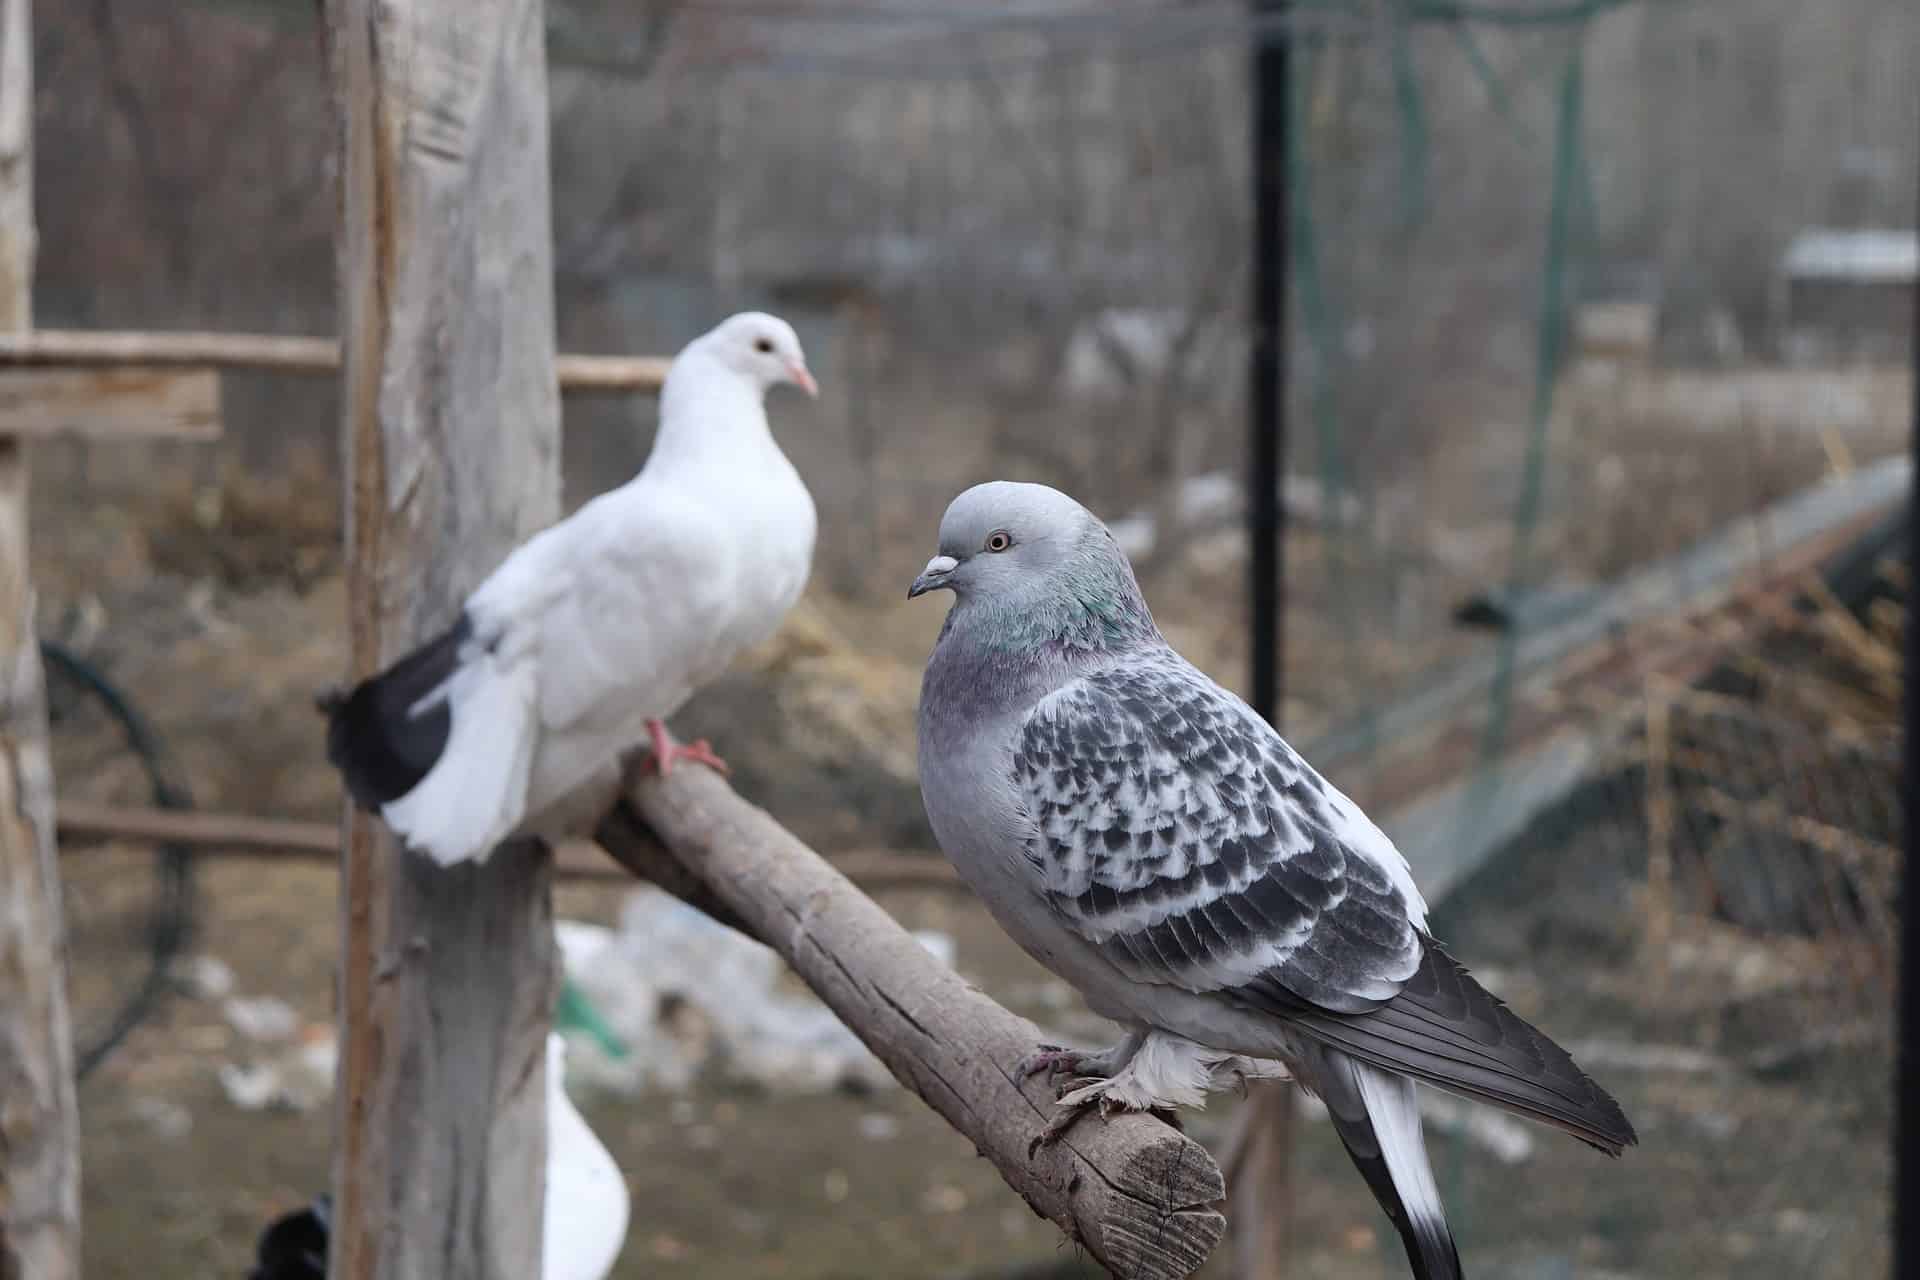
[{"x": 666, "y": 751}]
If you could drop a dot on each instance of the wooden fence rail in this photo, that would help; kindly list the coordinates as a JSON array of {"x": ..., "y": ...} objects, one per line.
[
  {"x": 231, "y": 834},
  {"x": 275, "y": 353}
]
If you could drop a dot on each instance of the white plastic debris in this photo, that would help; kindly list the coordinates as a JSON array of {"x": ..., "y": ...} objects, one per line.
[
  {"x": 205, "y": 977},
  {"x": 252, "y": 1088},
  {"x": 580, "y": 944},
  {"x": 878, "y": 1126},
  {"x": 267, "y": 1018},
  {"x": 938, "y": 945},
  {"x": 684, "y": 995},
  {"x": 168, "y": 1119},
  {"x": 297, "y": 1078}
]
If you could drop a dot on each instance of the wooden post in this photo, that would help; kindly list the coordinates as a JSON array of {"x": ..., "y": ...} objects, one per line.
[
  {"x": 39, "y": 1121},
  {"x": 451, "y": 425},
  {"x": 1262, "y": 1205}
]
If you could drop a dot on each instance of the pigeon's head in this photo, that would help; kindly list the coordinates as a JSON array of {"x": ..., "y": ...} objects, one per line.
[
  {"x": 1025, "y": 544},
  {"x": 762, "y": 348}
]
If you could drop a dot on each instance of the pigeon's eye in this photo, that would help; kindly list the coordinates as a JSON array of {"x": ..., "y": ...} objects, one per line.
[
  {"x": 999, "y": 540},
  {"x": 764, "y": 346}
]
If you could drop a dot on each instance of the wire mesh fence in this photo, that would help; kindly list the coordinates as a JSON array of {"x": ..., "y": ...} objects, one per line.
[{"x": 1592, "y": 596}]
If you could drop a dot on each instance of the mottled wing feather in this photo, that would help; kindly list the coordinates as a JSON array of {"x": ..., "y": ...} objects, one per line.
[{"x": 1182, "y": 836}]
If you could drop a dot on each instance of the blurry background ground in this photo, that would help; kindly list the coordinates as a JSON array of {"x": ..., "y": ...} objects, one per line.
[{"x": 223, "y": 639}]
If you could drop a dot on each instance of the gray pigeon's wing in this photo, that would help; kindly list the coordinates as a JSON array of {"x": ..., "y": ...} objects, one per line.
[
  {"x": 1178, "y": 833},
  {"x": 1183, "y": 837}
]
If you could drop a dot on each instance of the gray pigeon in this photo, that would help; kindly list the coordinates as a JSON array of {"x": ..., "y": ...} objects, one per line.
[{"x": 1148, "y": 837}]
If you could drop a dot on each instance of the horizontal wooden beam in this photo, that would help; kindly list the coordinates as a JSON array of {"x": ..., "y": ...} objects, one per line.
[
  {"x": 120, "y": 403},
  {"x": 242, "y": 834},
  {"x": 275, "y": 353},
  {"x": 1138, "y": 1195}
]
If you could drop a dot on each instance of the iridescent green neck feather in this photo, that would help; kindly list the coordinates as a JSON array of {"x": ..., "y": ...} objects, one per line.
[{"x": 1090, "y": 603}]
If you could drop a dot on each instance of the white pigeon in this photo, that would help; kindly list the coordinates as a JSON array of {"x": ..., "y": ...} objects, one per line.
[
  {"x": 596, "y": 629},
  {"x": 1144, "y": 834},
  {"x": 587, "y": 1203}
]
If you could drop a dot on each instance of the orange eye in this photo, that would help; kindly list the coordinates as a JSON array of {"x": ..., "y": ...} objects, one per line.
[{"x": 999, "y": 540}]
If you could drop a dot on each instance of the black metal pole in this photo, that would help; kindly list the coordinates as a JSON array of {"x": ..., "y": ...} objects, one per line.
[
  {"x": 1262, "y": 1200},
  {"x": 1267, "y": 372},
  {"x": 1906, "y": 1176}
]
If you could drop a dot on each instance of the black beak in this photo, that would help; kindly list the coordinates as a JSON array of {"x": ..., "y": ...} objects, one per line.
[{"x": 934, "y": 576}]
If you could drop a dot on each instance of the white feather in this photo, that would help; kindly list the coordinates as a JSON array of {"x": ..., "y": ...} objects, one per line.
[
  {"x": 1167, "y": 1070},
  {"x": 1393, "y": 1105},
  {"x": 476, "y": 792}
]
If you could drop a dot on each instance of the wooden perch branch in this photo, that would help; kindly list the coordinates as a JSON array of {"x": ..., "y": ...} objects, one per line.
[
  {"x": 1140, "y": 1196},
  {"x": 276, "y": 353}
]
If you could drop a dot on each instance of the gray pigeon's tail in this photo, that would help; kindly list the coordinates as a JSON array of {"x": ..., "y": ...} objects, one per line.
[
  {"x": 1377, "y": 1115},
  {"x": 1448, "y": 1030}
]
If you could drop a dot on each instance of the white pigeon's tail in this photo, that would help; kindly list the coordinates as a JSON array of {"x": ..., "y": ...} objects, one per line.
[
  {"x": 476, "y": 792},
  {"x": 441, "y": 745},
  {"x": 1377, "y": 1115}
]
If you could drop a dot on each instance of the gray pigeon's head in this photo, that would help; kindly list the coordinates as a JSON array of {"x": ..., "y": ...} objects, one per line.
[
  {"x": 762, "y": 348},
  {"x": 1036, "y": 558}
]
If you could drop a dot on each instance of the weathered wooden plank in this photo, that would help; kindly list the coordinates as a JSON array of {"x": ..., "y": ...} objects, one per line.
[
  {"x": 39, "y": 1120},
  {"x": 277, "y": 353},
  {"x": 1141, "y": 1197},
  {"x": 111, "y": 403},
  {"x": 452, "y": 424}
]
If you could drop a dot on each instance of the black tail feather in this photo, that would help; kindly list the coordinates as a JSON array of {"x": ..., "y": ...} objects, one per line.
[{"x": 380, "y": 748}]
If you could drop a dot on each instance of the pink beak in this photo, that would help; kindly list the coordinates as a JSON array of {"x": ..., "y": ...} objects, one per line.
[{"x": 804, "y": 380}]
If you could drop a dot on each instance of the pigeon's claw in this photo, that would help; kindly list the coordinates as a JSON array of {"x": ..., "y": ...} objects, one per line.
[
  {"x": 666, "y": 751},
  {"x": 1064, "y": 1118},
  {"x": 1050, "y": 1058}
]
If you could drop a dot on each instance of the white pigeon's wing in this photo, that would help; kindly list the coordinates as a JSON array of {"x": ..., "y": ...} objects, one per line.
[
  {"x": 1182, "y": 836},
  {"x": 616, "y": 606}
]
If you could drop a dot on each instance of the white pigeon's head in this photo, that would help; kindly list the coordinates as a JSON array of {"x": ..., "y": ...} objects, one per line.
[
  {"x": 761, "y": 348},
  {"x": 1002, "y": 538}
]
